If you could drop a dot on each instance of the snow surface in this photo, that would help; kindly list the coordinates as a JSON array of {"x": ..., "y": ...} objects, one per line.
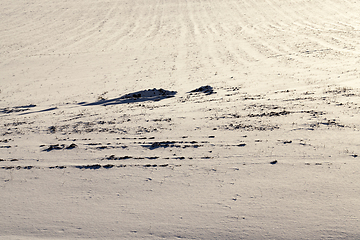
[{"x": 195, "y": 119}]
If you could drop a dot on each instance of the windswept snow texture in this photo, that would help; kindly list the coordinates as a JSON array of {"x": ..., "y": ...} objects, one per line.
[{"x": 191, "y": 119}]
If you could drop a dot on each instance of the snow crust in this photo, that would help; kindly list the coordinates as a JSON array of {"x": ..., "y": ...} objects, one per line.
[{"x": 174, "y": 119}]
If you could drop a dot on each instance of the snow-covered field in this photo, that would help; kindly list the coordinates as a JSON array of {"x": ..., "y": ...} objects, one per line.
[{"x": 199, "y": 119}]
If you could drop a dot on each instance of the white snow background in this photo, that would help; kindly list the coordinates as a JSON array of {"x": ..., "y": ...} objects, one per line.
[{"x": 179, "y": 119}]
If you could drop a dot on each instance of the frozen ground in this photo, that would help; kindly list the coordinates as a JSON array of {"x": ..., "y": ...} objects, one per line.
[{"x": 179, "y": 119}]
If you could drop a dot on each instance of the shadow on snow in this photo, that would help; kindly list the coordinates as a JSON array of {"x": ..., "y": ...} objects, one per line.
[{"x": 140, "y": 96}]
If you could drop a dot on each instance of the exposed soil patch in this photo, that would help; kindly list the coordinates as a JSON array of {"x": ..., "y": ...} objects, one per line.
[
  {"x": 140, "y": 96},
  {"x": 58, "y": 147},
  {"x": 176, "y": 144},
  {"x": 270, "y": 114},
  {"x": 16, "y": 109},
  {"x": 249, "y": 127},
  {"x": 204, "y": 89}
]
